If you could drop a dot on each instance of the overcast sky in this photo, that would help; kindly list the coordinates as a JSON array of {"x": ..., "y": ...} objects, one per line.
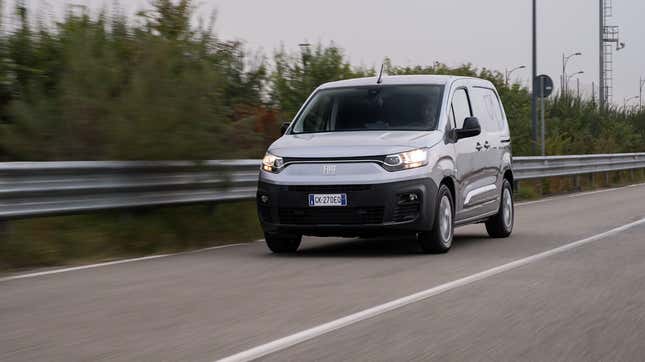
[{"x": 491, "y": 33}]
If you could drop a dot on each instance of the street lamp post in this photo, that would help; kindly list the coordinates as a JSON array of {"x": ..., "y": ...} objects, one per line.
[
  {"x": 640, "y": 94},
  {"x": 571, "y": 77},
  {"x": 509, "y": 72},
  {"x": 304, "y": 54},
  {"x": 304, "y": 49},
  {"x": 565, "y": 60}
]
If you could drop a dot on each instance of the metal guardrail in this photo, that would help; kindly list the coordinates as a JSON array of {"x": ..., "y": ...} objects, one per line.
[
  {"x": 30, "y": 189},
  {"x": 525, "y": 168}
]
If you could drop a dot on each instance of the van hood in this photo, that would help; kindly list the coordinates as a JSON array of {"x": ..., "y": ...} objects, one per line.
[{"x": 353, "y": 144}]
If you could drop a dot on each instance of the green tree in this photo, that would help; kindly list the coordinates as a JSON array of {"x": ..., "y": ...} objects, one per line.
[
  {"x": 107, "y": 87},
  {"x": 98, "y": 88},
  {"x": 168, "y": 20},
  {"x": 296, "y": 75}
]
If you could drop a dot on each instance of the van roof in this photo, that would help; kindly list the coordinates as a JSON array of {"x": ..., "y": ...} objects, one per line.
[{"x": 400, "y": 79}]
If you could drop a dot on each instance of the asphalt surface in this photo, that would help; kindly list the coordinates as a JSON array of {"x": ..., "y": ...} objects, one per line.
[{"x": 583, "y": 304}]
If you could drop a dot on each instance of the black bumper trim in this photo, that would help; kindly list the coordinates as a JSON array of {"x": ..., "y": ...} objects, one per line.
[{"x": 372, "y": 209}]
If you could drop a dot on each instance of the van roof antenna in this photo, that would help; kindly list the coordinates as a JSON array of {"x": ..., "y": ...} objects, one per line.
[{"x": 380, "y": 75}]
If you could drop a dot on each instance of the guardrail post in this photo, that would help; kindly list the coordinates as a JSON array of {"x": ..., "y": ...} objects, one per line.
[
  {"x": 606, "y": 178},
  {"x": 126, "y": 216},
  {"x": 4, "y": 230},
  {"x": 591, "y": 180},
  {"x": 576, "y": 182}
]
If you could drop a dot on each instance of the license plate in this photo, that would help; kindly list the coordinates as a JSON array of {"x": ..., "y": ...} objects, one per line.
[{"x": 318, "y": 200}]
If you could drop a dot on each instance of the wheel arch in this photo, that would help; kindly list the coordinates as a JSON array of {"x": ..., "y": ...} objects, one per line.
[
  {"x": 508, "y": 175},
  {"x": 450, "y": 184}
]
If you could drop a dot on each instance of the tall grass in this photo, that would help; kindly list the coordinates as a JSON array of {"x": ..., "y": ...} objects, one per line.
[{"x": 103, "y": 236}]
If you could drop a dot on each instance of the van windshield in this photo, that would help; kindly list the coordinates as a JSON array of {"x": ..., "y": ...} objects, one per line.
[{"x": 390, "y": 107}]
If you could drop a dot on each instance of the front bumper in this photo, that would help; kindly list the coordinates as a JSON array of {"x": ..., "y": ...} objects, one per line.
[{"x": 372, "y": 208}]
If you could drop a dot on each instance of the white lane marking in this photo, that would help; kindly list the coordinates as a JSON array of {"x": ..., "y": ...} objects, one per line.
[
  {"x": 116, "y": 262},
  {"x": 294, "y": 339},
  {"x": 576, "y": 195}
]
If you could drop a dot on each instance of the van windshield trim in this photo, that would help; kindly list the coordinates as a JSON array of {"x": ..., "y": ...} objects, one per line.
[{"x": 435, "y": 103}]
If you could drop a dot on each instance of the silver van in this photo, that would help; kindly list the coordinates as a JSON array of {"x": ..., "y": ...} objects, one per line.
[{"x": 414, "y": 155}]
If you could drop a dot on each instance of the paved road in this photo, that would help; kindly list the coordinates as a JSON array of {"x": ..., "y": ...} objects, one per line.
[{"x": 586, "y": 303}]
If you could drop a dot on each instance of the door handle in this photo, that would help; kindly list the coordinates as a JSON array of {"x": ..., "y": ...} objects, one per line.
[
  {"x": 478, "y": 147},
  {"x": 486, "y": 145}
]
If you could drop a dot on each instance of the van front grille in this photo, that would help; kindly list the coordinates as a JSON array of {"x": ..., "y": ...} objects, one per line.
[{"x": 329, "y": 188}]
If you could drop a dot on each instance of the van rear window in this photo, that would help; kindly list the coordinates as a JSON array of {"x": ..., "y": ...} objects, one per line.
[{"x": 389, "y": 107}]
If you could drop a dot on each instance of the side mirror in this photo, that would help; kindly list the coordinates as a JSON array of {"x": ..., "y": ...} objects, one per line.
[
  {"x": 471, "y": 129},
  {"x": 284, "y": 127}
]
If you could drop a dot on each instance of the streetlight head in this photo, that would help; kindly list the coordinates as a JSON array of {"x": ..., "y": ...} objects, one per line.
[
  {"x": 522, "y": 67},
  {"x": 578, "y": 53}
]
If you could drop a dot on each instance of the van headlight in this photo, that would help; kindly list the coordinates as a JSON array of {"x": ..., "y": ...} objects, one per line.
[
  {"x": 406, "y": 160},
  {"x": 272, "y": 163}
]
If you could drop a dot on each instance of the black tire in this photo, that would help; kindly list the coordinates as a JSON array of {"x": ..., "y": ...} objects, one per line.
[
  {"x": 501, "y": 225},
  {"x": 281, "y": 244},
  {"x": 439, "y": 239}
]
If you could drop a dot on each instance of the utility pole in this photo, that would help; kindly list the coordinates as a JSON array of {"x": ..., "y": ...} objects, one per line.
[
  {"x": 543, "y": 117},
  {"x": 534, "y": 91},
  {"x": 609, "y": 36},
  {"x": 601, "y": 49}
]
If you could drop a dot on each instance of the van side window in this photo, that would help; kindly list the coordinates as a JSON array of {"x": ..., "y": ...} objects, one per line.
[
  {"x": 461, "y": 107},
  {"x": 488, "y": 109}
]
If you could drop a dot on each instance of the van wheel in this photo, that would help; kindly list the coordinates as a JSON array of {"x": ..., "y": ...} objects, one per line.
[
  {"x": 439, "y": 239},
  {"x": 501, "y": 225},
  {"x": 281, "y": 243}
]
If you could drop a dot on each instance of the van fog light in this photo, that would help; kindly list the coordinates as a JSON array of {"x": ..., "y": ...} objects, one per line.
[
  {"x": 410, "y": 198},
  {"x": 264, "y": 199}
]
